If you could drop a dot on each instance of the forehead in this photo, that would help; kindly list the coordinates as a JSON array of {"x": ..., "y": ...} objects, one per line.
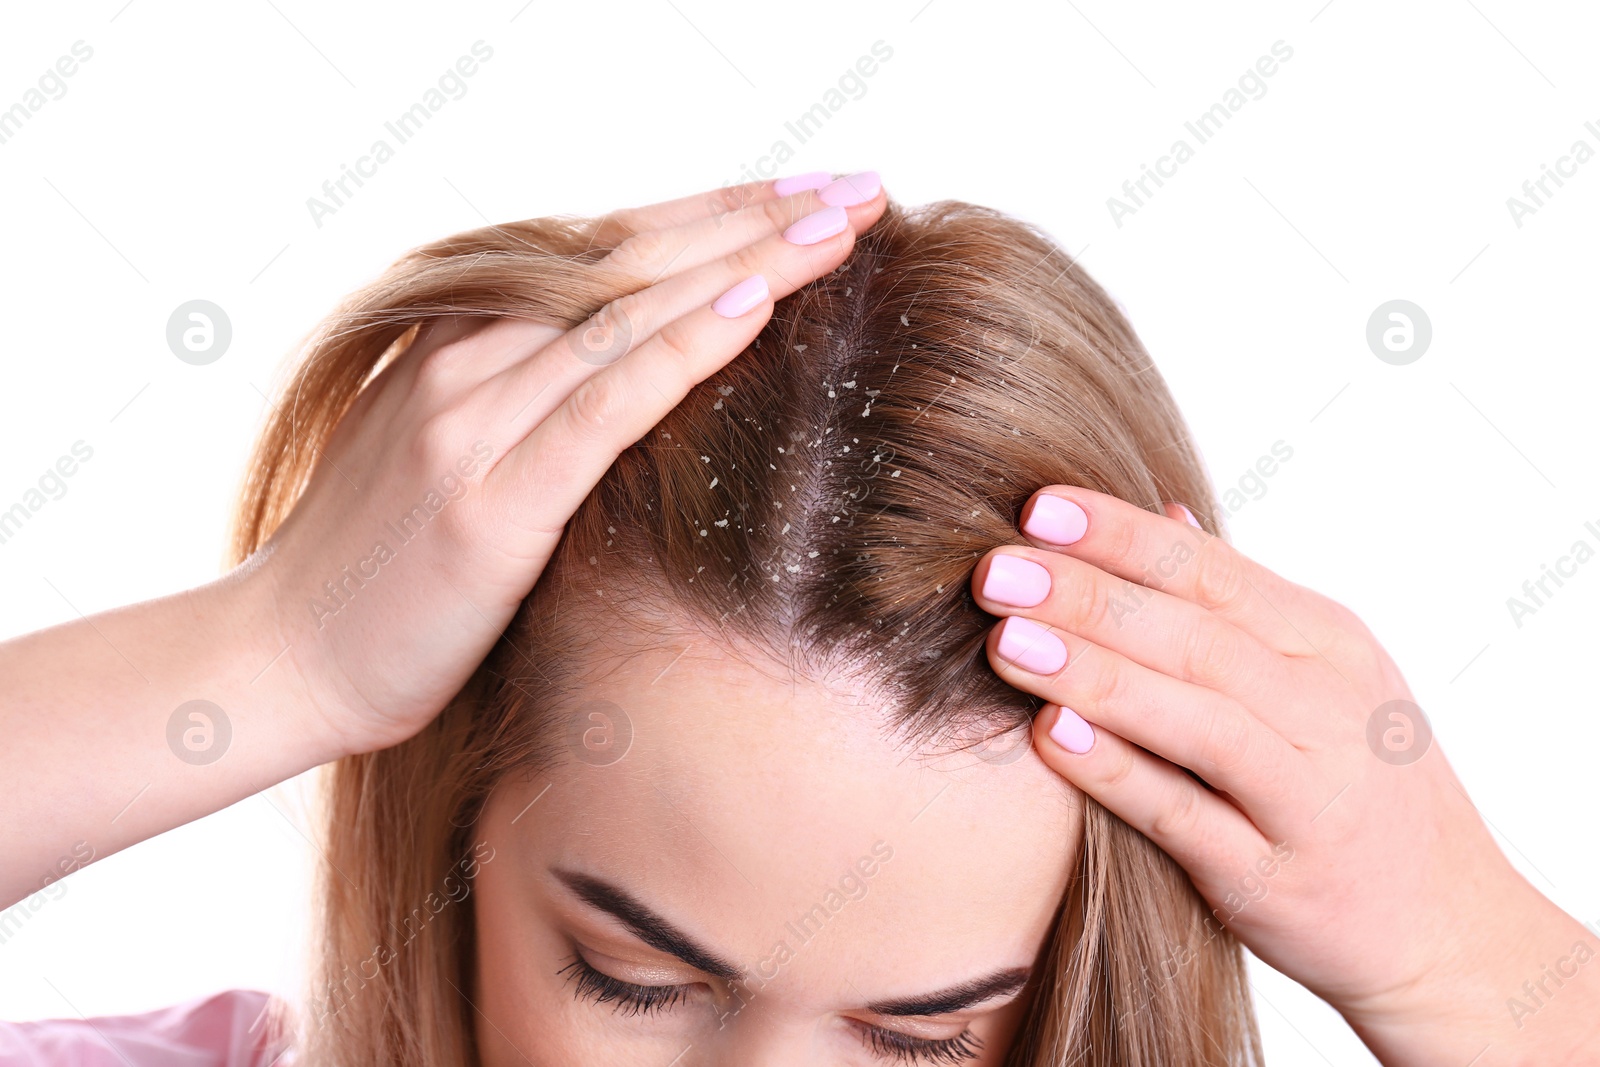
[{"x": 738, "y": 800}]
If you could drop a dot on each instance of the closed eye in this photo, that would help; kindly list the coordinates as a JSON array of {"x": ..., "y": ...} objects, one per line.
[
  {"x": 630, "y": 998},
  {"x": 903, "y": 1048}
]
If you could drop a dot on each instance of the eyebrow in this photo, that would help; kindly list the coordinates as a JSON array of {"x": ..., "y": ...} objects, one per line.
[
  {"x": 957, "y": 997},
  {"x": 648, "y": 926},
  {"x": 659, "y": 934}
]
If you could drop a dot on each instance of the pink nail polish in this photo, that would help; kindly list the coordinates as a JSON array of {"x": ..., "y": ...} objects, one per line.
[
  {"x": 1189, "y": 517},
  {"x": 1071, "y": 732},
  {"x": 817, "y": 226},
  {"x": 799, "y": 183},
  {"x": 750, "y": 293},
  {"x": 1030, "y": 646},
  {"x": 1015, "y": 582},
  {"x": 851, "y": 190},
  {"x": 1057, "y": 520}
]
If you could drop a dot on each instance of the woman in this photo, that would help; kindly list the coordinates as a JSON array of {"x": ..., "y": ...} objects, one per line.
[{"x": 745, "y": 777}]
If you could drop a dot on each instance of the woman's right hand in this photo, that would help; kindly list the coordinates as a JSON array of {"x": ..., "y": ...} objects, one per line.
[
  {"x": 443, "y": 492},
  {"x": 464, "y": 459}
]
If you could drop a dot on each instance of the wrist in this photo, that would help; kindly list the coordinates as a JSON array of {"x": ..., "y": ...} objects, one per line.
[
  {"x": 269, "y": 660},
  {"x": 1521, "y": 986}
]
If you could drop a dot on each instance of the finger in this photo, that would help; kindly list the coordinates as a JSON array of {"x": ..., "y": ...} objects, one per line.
[
  {"x": 522, "y": 396},
  {"x": 1204, "y": 833},
  {"x": 548, "y": 474},
  {"x": 445, "y": 356},
  {"x": 1138, "y": 545},
  {"x": 454, "y": 354},
  {"x": 647, "y": 257},
  {"x": 1152, "y": 628},
  {"x": 1211, "y": 734},
  {"x": 617, "y": 226},
  {"x": 1180, "y": 512},
  {"x": 645, "y": 260}
]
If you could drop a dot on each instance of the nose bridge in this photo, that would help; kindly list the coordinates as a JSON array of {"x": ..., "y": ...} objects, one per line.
[{"x": 753, "y": 1037}]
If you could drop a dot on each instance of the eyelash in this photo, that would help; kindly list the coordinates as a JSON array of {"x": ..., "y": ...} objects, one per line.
[
  {"x": 631, "y": 999},
  {"x": 907, "y": 1049}
]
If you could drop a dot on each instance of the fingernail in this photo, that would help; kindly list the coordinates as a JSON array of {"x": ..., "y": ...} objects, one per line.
[
  {"x": 851, "y": 190},
  {"x": 1071, "y": 732},
  {"x": 817, "y": 226},
  {"x": 1030, "y": 646},
  {"x": 1189, "y": 516},
  {"x": 751, "y": 292},
  {"x": 799, "y": 183},
  {"x": 1016, "y": 582},
  {"x": 1056, "y": 519}
]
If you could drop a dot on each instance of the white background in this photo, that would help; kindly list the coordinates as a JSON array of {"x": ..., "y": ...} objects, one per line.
[{"x": 1376, "y": 166}]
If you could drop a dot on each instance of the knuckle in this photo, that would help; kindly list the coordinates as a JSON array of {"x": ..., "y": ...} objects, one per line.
[
  {"x": 1208, "y": 655},
  {"x": 1121, "y": 540},
  {"x": 779, "y": 213},
  {"x": 437, "y": 437},
  {"x": 1348, "y": 623},
  {"x": 1357, "y": 650},
  {"x": 1119, "y": 768},
  {"x": 736, "y": 197},
  {"x": 1176, "y": 818},
  {"x": 618, "y": 226},
  {"x": 435, "y": 369},
  {"x": 1347, "y": 614},
  {"x": 1219, "y": 580},
  {"x": 608, "y": 334},
  {"x": 594, "y": 406},
  {"x": 748, "y": 260},
  {"x": 1225, "y": 746},
  {"x": 1104, "y": 684},
  {"x": 640, "y": 253},
  {"x": 677, "y": 344},
  {"x": 1095, "y": 605},
  {"x": 624, "y": 314}
]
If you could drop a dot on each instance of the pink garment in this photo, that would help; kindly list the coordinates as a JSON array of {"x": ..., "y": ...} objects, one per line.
[{"x": 225, "y": 1030}]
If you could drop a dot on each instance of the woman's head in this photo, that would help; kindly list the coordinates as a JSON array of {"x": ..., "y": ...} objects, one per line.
[
  {"x": 747, "y": 711},
  {"x": 750, "y": 842}
]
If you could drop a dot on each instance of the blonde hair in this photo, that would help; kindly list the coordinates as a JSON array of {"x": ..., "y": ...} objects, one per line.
[{"x": 965, "y": 360}]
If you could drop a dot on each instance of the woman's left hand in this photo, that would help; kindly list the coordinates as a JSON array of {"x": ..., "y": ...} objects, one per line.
[{"x": 1334, "y": 839}]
